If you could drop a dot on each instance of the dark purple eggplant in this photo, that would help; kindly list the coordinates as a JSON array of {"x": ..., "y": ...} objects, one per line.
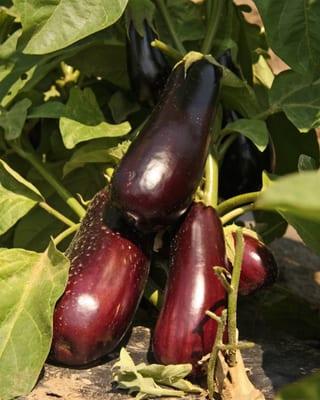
[
  {"x": 242, "y": 165},
  {"x": 183, "y": 333},
  {"x": 109, "y": 269},
  {"x": 148, "y": 70},
  {"x": 259, "y": 268},
  {"x": 156, "y": 179}
]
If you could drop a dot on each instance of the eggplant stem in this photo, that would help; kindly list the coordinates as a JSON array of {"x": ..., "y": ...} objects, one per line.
[
  {"x": 233, "y": 297},
  {"x": 166, "y": 49},
  {"x": 167, "y": 19},
  {"x": 214, "y": 353},
  {"x": 237, "y": 201},
  {"x": 238, "y": 346},
  {"x": 212, "y": 26},
  {"x": 225, "y": 145},
  {"x": 69, "y": 231},
  {"x": 61, "y": 190},
  {"x": 210, "y": 197},
  {"x": 236, "y": 213},
  {"x": 153, "y": 294},
  {"x": 223, "y": 275},
  {"x": 57, "y": 214}
]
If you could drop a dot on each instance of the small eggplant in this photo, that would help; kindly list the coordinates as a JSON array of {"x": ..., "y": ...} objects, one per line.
[
  {"x": 109, "y": 269},
  {"x": 183, "y": 333},
  {"x": 259, "y": 268},
  {"x": 156, "y": 179},
  {"x": 147, "y": 68}
]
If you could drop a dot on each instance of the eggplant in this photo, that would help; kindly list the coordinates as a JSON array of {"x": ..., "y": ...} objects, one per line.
[
  {"x": 259, "y": 268},
  {"x": 155, "y": 181},
  {"x": 183, "y": 332},
  {"x": 147, "y": 68},
  {"x": 109, "y": 270},
  {"x": 243, "y": 164}
]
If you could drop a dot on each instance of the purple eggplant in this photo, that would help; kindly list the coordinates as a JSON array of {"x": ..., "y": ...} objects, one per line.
[
  {"x": 109, "y": 270},
  {"x": 148, "y": 70},
  {"x": 155, "y": 181},
  {"x": 259, "y": 268},
  {"x": 183, "y": 333}
]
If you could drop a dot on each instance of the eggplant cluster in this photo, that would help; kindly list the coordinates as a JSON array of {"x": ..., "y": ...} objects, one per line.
[{"x": 152, "y": 188}]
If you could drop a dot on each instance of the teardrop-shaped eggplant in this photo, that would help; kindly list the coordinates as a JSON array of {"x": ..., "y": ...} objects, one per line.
[
  {"x": 183, "y": 333},
  {"x": 147, "y": 68},
  {"x": 243, "y": 164},
  {"x": 259, "y": 268},
  {"x": 109, "y": 269},
  {"x": 156, "y": 179}
]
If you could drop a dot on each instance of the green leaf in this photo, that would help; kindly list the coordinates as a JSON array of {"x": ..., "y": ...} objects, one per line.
[
  {"x": 269, "y": 225},
  {"x": 291, "y": 145},
  {"x": 12, "y": 121},
  {"x": 85, "y": 120},
  {"x": 52, "y": 109},
  {"x": 57, "y": 24},
  {"x": 292, "y": 28},
  {"x": 99, "y": 151},
  {"x": 305, "y": 389},
  {"x": 307, "y": 163},
  {"x": 120, "y": 106},
  {"x": 145, "y": 379},
  {"x": 139, "y": 11},
  {"x": 295, "y": 194},
  {"x": 298, "y": 97},
  {"x": 17, "y": 197},
  {"x": 254, "y": 129},
  {"x": 30, "y": 285}
]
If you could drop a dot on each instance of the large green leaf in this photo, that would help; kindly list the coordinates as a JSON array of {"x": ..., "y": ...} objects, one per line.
[
  {"x": 30, "y": 284},
  {"x": 297, "y": 194},
  {"x": 17, "y": 197},
  {"x": 255, "y": 130},
  {"x": 292, "y": 28},
  {"x": 12, "y": 121},
  {"x": 57, "y": 24},
  {"x": 298, "y": 97},
  {"x": 86, "y": 121},
  {"x": 305, "y": 389}
]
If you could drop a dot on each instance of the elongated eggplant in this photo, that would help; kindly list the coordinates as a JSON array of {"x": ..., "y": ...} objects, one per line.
[
  {"x": 155, "y": 181},
  {"x": 259, "y": 268},
  {"x": 148, "y": 70},
  {"x": 109, "y": 269},
  {"x": 242, "y": 166},
  {"x": 183, "y": 333}
]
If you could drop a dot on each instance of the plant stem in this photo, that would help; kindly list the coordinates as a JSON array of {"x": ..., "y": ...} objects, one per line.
[
  {"x": 236, "y": 201},
  {"x": 62, "y": 191},
  {"x": 236, "y": 213},
  {"x": 166, "y": 49},
  {"x": 65, "y": 234},
  {"x": 210, "y": 197},
  {"x": 213, "y": 24},
  {"x": 233, "y": 297},
  {"x": 225, "y": 145},
  {"x": 167, "y": 19},
  {"x": 56, "y": 213},
  {"x": 215, "y": 350},
  {"x": 153, "y": 294}
]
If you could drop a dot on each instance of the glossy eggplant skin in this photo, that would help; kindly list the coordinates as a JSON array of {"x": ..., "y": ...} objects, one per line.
[
  {"x": 183, "y": 333},
  {"x": 155, "y": 181},
  {"x": 108, "y": 273},
  {"x": 259, "y": 268},
  {"x": 147, "y": 68},
  {"x": 242, "y": 166}
]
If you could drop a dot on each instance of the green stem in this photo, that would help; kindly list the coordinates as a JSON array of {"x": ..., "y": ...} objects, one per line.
[
  {"x": 225, "y": 145},
  {"x": 56, "y": 213},
  {"x": 153, "y": 294},
  {"x": 215, "y": 351},
  {"x": 236, "y": 201},
  {"x": 213, "y": 24},
  {"x": 166, "y": 49},
  {"x": 236, "y": 213},
  {"x": 167, "y": 19},
  {"x": 233, "y": 297},
  {"x": 65, "y": 234},
  {"x": 210, "y": 197},
  {"x": 63, "y": 192}
]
